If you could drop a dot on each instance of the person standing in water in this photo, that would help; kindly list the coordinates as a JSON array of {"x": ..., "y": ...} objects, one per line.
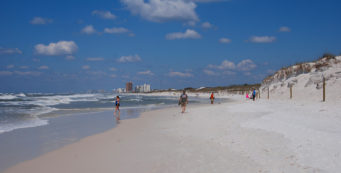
[
  {"x": 183, "y": 100},
  {"x": 212, "y": 98},
  {"x": 117, "y": 108}
]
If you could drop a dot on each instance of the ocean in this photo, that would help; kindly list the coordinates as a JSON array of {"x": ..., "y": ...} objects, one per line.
[{"x": 25, "y": 110}]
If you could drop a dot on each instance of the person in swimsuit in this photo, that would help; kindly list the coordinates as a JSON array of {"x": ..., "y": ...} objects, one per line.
[
  {"x": 117, "y": 108},
  {"x": 212, "y": 98},
  {"x": 183, "y": 100}
]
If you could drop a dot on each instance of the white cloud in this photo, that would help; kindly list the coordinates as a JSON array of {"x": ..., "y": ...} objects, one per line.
[
  {"x": 40, "y": 21},
  {"x": 179, "y": 74},
  {"x": 9, "y": 51},
  {"x": 224, "y": 40},
  {"x": 27, "y": 73},
  {"x": 89, "y": 29},
  {"x": 5, "y": 73},
  {"x": 104, "y": 14},
  {"x": 246, "y": 65},
  {"x": 112, "y": 69},
  {"x": 262, "y": 39},
  {"x": 113, "y": 76},
  {"x": 224, "y": 65},
  {"x": 43, "y": 67},
  {"x": 69, "y": 57},
  {"x": 10, "y": 66},
  {"x": 163, "y": 10},
  {"x": 147, "y": 72},
  {"x": 115, "y": 30},
  {"x": 85, "y": 67},
  {"x": 59, "y": 48},
  {"x": 210, "y": 72},
  {"x": 189, "y": 34},
  {"x": 130, "y": 58},
  {"x": 206, "y": 25},
  {"x": 95, "y": 59},
  {"x": 284, "y": 29}
]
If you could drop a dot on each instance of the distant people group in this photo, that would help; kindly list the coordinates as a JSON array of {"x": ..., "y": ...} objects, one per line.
[{"x": 253, "y": 95}]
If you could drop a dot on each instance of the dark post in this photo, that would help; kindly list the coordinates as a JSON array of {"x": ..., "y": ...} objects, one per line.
[
  {"x": 290, "y": 92},
  {"x": 324, "y": 89},
  {"x": 268, "y": 93}
]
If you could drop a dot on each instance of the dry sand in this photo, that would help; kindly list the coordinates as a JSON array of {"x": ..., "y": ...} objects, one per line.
[{"x": 210, "y": 138}]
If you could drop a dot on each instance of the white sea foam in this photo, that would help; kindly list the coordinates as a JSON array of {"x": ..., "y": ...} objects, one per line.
[
  {"x": 34, "y": 122},
  {"x": 7, "y": 97}
]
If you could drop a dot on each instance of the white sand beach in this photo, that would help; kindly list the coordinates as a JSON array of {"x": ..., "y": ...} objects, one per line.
[{"x": 242, "y": 136}]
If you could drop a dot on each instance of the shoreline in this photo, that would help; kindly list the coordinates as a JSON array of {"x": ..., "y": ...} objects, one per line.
[
  {"x": 239, "y": 136},
  {"x": 61, "y": 130}
]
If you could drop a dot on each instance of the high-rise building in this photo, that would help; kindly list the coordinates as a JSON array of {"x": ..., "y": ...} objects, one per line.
[
  {"x": 129, "y": 87},
  {"x": 142, "y": 88}
]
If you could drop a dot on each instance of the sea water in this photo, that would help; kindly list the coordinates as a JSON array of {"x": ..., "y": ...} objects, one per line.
[{"x": 25, "y": 110}]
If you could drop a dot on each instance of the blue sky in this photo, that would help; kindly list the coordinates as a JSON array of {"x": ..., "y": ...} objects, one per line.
[{"x": 63, "y": 46}]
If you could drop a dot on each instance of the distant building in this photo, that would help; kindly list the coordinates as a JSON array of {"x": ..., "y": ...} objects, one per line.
[
  {"x": 129, "y": 87},
  {"x": 120, "y": 90},
  {"x": 142, "y": 88}
]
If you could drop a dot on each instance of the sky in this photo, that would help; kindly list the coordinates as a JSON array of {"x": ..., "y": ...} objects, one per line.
[{"x": 75, "y": 46}]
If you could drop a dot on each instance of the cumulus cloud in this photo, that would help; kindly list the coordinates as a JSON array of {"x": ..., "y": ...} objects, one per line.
[
  {"x": 147, "y": 72},
  {"x": 262, "y": 39},
  {"x": 85, "y": 67},
  {"x": 95, "y": 59},
  {"x": 130, "y": 58},
  {"x": 224, "y": 40},
  {"x": 210, "y": 72},
  {"x": 59, "y": 48},
  {"x": 224, "y": 65},
  {"x": 163, "y": 10},
  {"x": 189, "y": 34},
  {"x": 104, "y": 14},
  {"x": 89, "y": 29},
  {"x": 284, "y": 29},
  {"x": 43, "y": 67},
  {"x": 9, "y": 51},
  {"x": 115, "y": 30},
  {"x": 206, "y": 25},
  {"x": 246, "y": 65},
  {"x": 179, "y": 74},
  {"x": 40, "y": 21}
]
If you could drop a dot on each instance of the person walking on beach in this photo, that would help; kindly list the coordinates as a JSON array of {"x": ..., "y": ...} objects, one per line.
[
  {"x": 183, "y": 100},
  {"x": 117, "y": 108},
  {"x": 254, "y": 94},
  {"x": 212, "y": 98}
]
